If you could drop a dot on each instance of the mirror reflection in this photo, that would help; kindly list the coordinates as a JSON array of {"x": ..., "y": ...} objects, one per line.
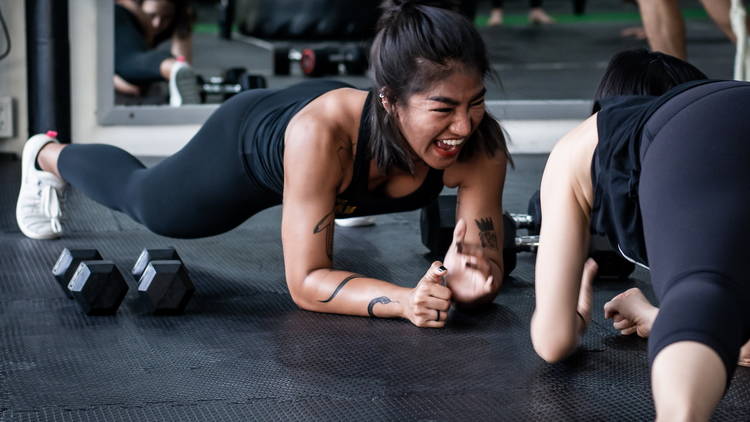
[{"x": 176, "y": 52}]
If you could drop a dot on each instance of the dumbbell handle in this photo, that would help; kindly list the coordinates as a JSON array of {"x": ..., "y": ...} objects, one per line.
[
  {"x": 523, "y": 221},
  {"x": 527, "y": 243},
  {"x": 213, "y": 88}
]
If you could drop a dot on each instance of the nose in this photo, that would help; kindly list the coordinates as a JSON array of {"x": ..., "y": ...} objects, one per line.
[
  {"x": 156, "y": 22},
  {"x": 461, "y": 125}
]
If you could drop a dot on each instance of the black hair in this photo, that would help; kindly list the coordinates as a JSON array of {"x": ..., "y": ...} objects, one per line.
[
  {"x": 642, "y": 72},
  {"x": 417, "y": 44},
  {"x": 181, "y": 24}
]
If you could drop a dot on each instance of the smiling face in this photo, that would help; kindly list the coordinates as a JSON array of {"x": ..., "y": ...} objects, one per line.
[{"x": 438, "y": 121}]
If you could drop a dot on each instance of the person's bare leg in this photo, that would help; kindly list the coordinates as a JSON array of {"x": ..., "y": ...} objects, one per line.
[
  {"x": 538, "y": 15},
  {"x": 665, "y": 28},
  {"x": 718, "y": 10},
  {"x": 636, "y": 32},
  {"x": 165, "y": 68},
  {"x": 688, "y": 380},
  {"x": 496, "y": 17},
  {"x": 632, "y": 312},
  {"x": 47, "y": 157}
]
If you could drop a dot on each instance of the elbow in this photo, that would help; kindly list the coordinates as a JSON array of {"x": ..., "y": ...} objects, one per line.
[
  {"x": 300, "y": 295},
  {"x": 552, "y": 352},
  {"x": 553, "y": 344}
]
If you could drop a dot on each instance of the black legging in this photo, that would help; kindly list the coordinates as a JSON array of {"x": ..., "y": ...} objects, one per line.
[
  {"x": 695, "y": 199},
  {"x": 202, "y": 190},
  {"x": 498, "y": 4},
  {"x": 134, "y": 60}
]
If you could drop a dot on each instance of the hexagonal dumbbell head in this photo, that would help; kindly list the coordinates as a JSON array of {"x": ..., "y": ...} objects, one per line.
[
  {"x": 166, "y": 287},
  {"x": 98, "y": 286},
  {"x": 67, "y": 264},
  {"x": 148, "y": 255}
]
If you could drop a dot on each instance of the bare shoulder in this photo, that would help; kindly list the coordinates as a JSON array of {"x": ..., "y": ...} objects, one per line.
[
  {"x": 332, "y": 116},
  {"x": 569, "y": 163},
  {"x": 320, "y": 137}
]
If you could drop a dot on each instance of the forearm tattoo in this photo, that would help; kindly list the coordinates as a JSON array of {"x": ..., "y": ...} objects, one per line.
[
  {"x": 382, "y": 299},
  {"x": 340, "y": 286},
  {"x": 487, "y": 235},
  {"x": 326, "y": 223}
]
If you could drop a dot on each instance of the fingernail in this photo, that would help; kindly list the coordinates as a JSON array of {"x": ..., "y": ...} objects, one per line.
[{"x": 442, "y": 269}]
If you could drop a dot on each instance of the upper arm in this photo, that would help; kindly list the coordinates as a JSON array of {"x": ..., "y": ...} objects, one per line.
[
  {"x": 312, "y": 175},
  {"x": 563, "y": 242}
]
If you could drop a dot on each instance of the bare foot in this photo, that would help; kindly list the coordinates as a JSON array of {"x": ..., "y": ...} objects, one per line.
[
  {"x": 636, "y": 32},
  {"x": 631, "y": 312},
  {"x": 537, "y": 15},
  {"x": 586, "y": 294},
  {"x": 745, "y": 355},
  {"x": 496, "y": 17}
]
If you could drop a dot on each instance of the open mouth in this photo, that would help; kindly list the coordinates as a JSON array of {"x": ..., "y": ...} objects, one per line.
[{"x": 448, "y": 147}]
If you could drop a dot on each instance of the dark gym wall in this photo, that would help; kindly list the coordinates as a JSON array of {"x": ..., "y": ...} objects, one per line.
[{"x": 48, "y": 67}]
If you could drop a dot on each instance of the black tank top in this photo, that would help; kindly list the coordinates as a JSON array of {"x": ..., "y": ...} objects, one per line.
[
  {"x": 263, "y": 147},
  {"x": 616, "y": 169}
]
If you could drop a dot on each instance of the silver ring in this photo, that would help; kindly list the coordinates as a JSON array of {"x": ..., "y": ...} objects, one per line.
[{"x": 438, "y": 315}]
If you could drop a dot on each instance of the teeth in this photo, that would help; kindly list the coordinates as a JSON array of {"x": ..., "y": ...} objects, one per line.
[{"x": 452, "y": 142}]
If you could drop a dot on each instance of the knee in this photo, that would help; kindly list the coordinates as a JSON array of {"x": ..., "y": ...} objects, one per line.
[{"x": 704, "y": 308}]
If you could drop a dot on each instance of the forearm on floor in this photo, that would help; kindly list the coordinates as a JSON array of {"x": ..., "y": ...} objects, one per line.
[{"x": 348, "y": 293}]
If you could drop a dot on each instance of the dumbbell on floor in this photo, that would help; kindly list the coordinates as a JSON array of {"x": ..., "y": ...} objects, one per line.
[
  {"x": 96, "y": 284},
  {"x": 163, "y": 281},
  {"x": 437, "y": 222}
]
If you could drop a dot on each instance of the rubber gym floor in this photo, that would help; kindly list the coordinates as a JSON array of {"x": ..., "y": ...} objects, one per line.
[{"x": 243, "y": 351}]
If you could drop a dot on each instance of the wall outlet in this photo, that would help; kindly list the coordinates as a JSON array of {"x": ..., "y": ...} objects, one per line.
[{"x": 6, "y": 117}]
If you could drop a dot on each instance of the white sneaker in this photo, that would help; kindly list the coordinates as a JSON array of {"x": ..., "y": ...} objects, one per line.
[
  {"x": 38, "y": 209},
  {"x": 355, "y": 221},
  {"x": 183, "y": 84}
]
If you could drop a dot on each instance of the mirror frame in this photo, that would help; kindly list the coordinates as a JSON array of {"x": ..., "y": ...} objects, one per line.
[{"x": 109, "y": 114}]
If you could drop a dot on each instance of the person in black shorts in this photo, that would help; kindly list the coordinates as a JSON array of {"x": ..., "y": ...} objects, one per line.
[
  {"x": 140, "y": 26},
  {"x": 324, "y": 150},
  {"x": 665, "y": 178}
]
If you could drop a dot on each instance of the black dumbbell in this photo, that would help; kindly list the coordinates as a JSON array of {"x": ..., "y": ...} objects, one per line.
[
  {"x": 319, "y": 61},
  {"x": 164, "y": 285},
  {"x": 233, "y": 81},
  {"x": 281, "y": 60},
  {"x": 611, "y": 264},
  {"x": 326, "y": 60},
  {"x": 97, "y": 285},
  {"x": 323, "y": 60},
  {"x": 438, "y": 219}
]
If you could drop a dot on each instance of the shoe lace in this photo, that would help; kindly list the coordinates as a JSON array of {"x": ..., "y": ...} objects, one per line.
[{"x": 51, "y": 208}]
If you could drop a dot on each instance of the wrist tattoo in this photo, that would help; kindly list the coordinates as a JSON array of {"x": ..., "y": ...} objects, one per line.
[
  {"x": 382, "y": 299},
  {"x": 340, "y": 286},
  {"x": 487, "y": 235},
  {"x": 326, "y": 224}
]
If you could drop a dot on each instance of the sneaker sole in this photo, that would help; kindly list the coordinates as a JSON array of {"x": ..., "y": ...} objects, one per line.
[
  {"x": 186, "y": 86},
  {"x": 24, "y": 168}
]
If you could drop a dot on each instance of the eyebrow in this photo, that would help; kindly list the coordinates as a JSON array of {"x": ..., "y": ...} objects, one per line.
[{"x": 451, "y": 101}]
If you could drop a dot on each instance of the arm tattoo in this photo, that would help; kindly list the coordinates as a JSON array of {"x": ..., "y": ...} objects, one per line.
[
  {"x": 326, "y": 223},
  {"x": 340, "y": 286},
  {"x": 487, "y": 233},
  {"x": 382, "y": 299}
]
